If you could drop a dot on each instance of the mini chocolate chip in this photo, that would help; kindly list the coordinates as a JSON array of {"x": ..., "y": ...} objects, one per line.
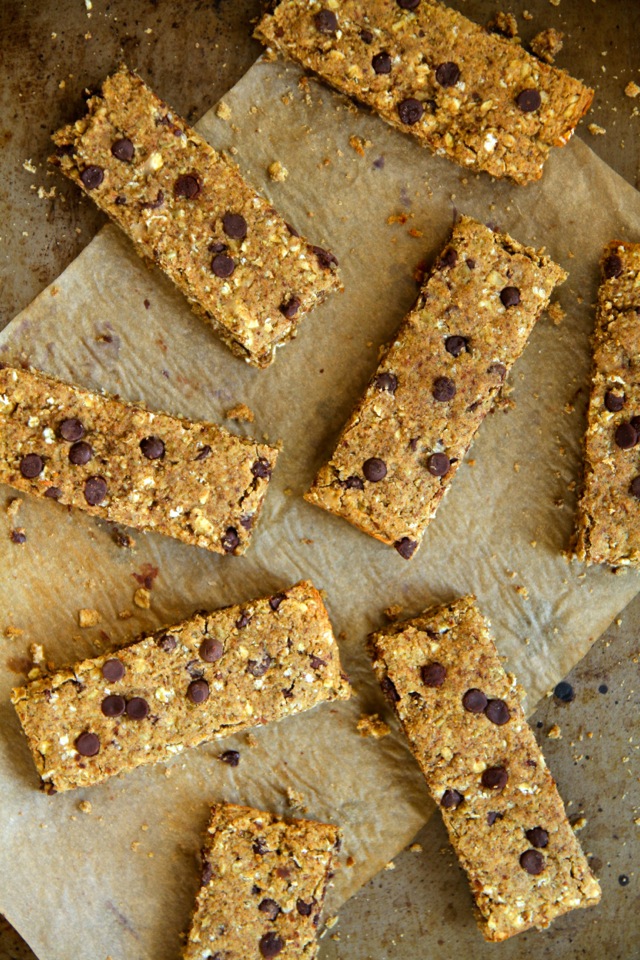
[
  {"x": 243, "y": 620},
  {"x": 113, "y": 670},
  {"x": 325, "y": 21},
  {"x": 261, "y": 469},
  {"x": 325, "y": 257},
  {"x": 614, "y": 402},
  {"x": 449, "y": 258},
  {"x": 217, "y": 247},
  {"x": 270, "y": 943},
  {"x": 232, "y": 757},
  {"x": 260, "y": 846},
  {"x": 120, "y": 201},
  {"x": 386, "y": 382},
  {"x": 352, "y": 483},
  {"x": 451, "y": 799},
  {"x": 498, "y": 712},
  {"x": 204, "y": 453},
  {"x": 231, "y": 540},
  {"x": 448, "y": 74},
  {"x": 433, "y": 674},
  {"x": 18, "y": 536},
  {"x": 304, "y": 909},
  {"x": 455, "y": 345},
  {"x": 80, "y": 453},
  {"x": 137, "y": 708},
  {"x": 234, "y": 225},
  {"x": 246, "y": 521},
  {"x": 92, "y": 176},
  {"x": 317, "y": 662},
  {"x": 198, "y": 691},
  {"x": 31, "y": 466},
  {"x": 532, "y": 861},
  {"x": 292, "y": 230},
  {"x": 444, "y": 389},
  {"x": 406, "y": 547},
  {"x": 612, "y": 266},
  {"x": 497, "y": 370},
  {"x": 207, "y": 872},
  {"x": 407, "y": 4},
  {"x": 495, "y": 778},
  {"x": 95, "y": 490},
  {"x": 634, "y": 487},
  {"x": 529, "y": 100},
  {"x": 152, "y": 448},
  {"x": 194, "y": 669},
  {"x": 381, "y": 63},
  {"x": 438, "y": 464},
  {"x": 537, "y": 837},
  {"x": 270, "y": 907},
  {"x": 510, "y": 296},
  {"x": 113, "y": 706},
  {"x": 211, "y": 649},
  {"x": 374, "y": 469},
  {"x": 410, "y": 111},
  {"x": 276, "y": 600},
  {"x": 71, "y": 429},
  {"x": 54, "y": 493},
  {"x": 470, "y": 263},
  {"x": 474, "y": 701},
  {"x": 290, "y": 307},
  {"x": 258, "y": 668},
  {"x": 389, "y": 690},
  {"x": 167, "y": 643},
  {"x": 122, "y": 149},
  {"x": 492, "y": 816},
  {"x": 625, "y": 436},
  {"x": 88, "y": 744},
  {"x": 603, "y": 688},
  {"x": 187, "y": 186},
  {"x": 153, "y": 204},
  {"x": 366, "y": 36},
  {"x": 564, "y": 691},
  {"x": 222, "y": 265}
]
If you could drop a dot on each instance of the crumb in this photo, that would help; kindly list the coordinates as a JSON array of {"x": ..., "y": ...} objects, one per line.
[
  {"x": 147, "y": 575},
  {"x": 277, "y": 172},
  {"x": 144, "y": 827},
  {"x": 359, "y": 144},
  {"x": 88, "y": 618},
  {"x": 556, "y": 313},
  {"x": 547, "y": 44},
  {"x": 330, "y": 922},
  {"x": 370, "y": 725},
  {"x": 632, "y": 89},
  {"x": 13, "y": 507},
  {"x": 29, "y": 166},
  {"x": 526, "y": 15},
  {"x": 415, "y": 848},
  {"x": 397, "y": 218},
  {"x": 595, "y": 130},
  {"x": 224, "y": 111},
  {"x": 251, "y": 740},
  {"x": 504, "y": 23},
  {"x": 125, "y": 615},
  {"x": 122, "y": 539},
  {"x": 415, "y": 233},
  {"x": 393, "y": 612},
  {"x": 390, "y": 866},
  {"x": 579, "y": 823},
  {"x": 554, "y": 732},
  {"x": 12, "y": 633},
  {"x": 18, "y": 535},
  {"x": 516, "y": 467},
  {"x": 135, "y": 845},
  {"x": 85, "y": 806},
  {"x": 522, "y": 590},
  {"x": 142, "y": 598},
  {"x": 554, "y": 3},
  {"x": 295, "y": 799},
  {"x": 350, "y": 861},
  {"x": 46, "y": 194},
  {"x": 240, "y": 412}
]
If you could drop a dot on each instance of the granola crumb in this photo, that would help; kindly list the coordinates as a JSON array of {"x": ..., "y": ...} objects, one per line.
[
  {"x": 579, "y": 823},
  {"x": 85, "y": 806},
  {"x": 632, "y": 89},
  {"x": 295, "y": 799},
  {"x": 547, "y": 44},
  {"x": 359, "y": 144},
  {"x": 240, "y": 412},
  {"x": 13, "y": 507},
  {"x": 29, "y": 166},
  {"x": 251, "y": 740},
  {"x": 595, "y": 130},
  {"x": 556, "y": 313},
  {"x": 142, "y": 598},
  {"x": 125, "y": 615},
  {"x": 504, "y": 23},
  {"x": 122, "y": 539},
  {"x": 370, "y": 725},
  {"x": 277, "y": 172},
  {"x": 527, "y": 15},
  {"x": 415, "y": 848},
  {"x": 554, "y": 732},
  {"x": 224, "y": 111},
  {"x": 88, "y": 618},
  {"x": 390, "y": 866},
  {"x": 393, "y": 612},
  {"x": 44, "y": 194}
]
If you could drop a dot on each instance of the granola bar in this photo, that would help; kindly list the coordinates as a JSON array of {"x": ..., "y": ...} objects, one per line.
[
  {"x": 188, "y": 209},
  {"x": 266, "y": 875},
  {"x": 466, "y": 727},
  {"x": 404, "y": 442},
  {"x": 608, "y": 521},
  {"x": 190, "y": 480},
  {"x": 206, "y": 678},
  {"x": 466, "y": 93}
]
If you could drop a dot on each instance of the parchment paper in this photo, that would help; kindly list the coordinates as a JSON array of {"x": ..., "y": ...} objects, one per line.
[{"x": 119, "y": 881}]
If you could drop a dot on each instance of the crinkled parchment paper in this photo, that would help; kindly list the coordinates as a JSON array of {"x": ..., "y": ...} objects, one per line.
[{"x": 119, "y": 880}]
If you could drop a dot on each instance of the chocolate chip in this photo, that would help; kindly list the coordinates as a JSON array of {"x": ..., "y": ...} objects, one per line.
[
  {"x": 187, "y": 186},
  {"x": 374, "y": 469},
  {"x": 625, "y": 436},
  {"x": 471, "y": 263},
  {"x": 455, "y": 345},
  {"x": 510, "y": 296},
  {"x": 198, "y": 691},
  {"x": 532, "y": 861},
  {"x": 153, "y": 204},
  {"x": 410, "y": 111},
  {"x": 381, "y": 63},
  {"x": 495, "y": 778},
  {"x": 276, "y": 600},
  {"x": 211, "y": 649},
  {"x": 243, "y": 620},
  {"x": 207, "y": 872},
  {"x": 449, "y": 258},
  {"x": 614, "y": 402},
  {"x": 451, "y": 799},
  {"x": 222, "y": 265},
  {"x": 54, "y": 493},
  {"x": 261, "y": 469},
  {"x": 492, "y": 816},
  {"x": 231, "y": 540},
  {"x": 246, "y": 521},
  {"x": 406, "y": 547},
  {"x": 95, "y": 490},
  {"x": 564, "y": 691},
  {"x": 217, "y": 247},
  {"x": 113, "y": 670},
  {"x": 386, "y": 382},
  {"x": 407, "y": 4},
  {"x": 120, "y": 201},
  {"x": 71, "y": 429},
  {"x": 260, "y": 846},
  {"x": 448, "y": 74},
  {"x": 498, "y": 712},
  {"x": 270, "y": 907},
  {"x": 438, "y": 464},
  {"x": 529, "y": 100},
  {"x": 444, "y": 389},
  {"x": 167, "y": 643},
  {"x": 537, "y": 837},
  {"x": 366, "y": 36},
  {"x": 474, "y": 701},
  {"x": 433, "y": 674},
  {"x": 18, "y": 536},
  {"x": 325, "y": 258},
  {"x": 31, "y": 466},
  {"x": 122, "y": 149},
  {"x": 270, "y": 943},
  {"x": 304, "y": 909},
  {"x": 258, "y": 668},
  {"x": 634, "y": 487},
  {"x": 290, "y": 307},
  {"x": 234, "y": 225},
  {"x": 389, "y": 690},
  {"x": 352, "y": 483},
  {"x": 152, "y": 448},
  {"x": 612, "y": 266},
  {"x": 88, "y": 744},
  {"x": 92, "y": 177},
  {"x": 204, "y": 453},
  {"x": 113, "y": 706},
  {"x": 137, "y": 708},
  {"x": 635, "y": 423},
  {"x": 232, "y": 757},
  {"x": 325, "y": 21},
  {"x": 80, "y": 453}
]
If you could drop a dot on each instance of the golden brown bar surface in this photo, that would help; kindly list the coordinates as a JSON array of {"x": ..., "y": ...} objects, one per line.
[
  {"x": 404, "y": 442},
  {"x": 205, "y": 678},
  {"x": 464, "y": 92},
  {"x": 187, "y": 208},
  {"x": 463, "y": 717},
  {"x": 263, "y": 886}
]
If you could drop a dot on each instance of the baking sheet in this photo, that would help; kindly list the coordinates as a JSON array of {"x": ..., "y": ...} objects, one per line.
[{"x": 119, "y": 880}]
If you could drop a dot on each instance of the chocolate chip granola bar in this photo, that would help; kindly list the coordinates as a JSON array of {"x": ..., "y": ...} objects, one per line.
[
  {"x": 404, "y": 442},
  {"x": 464, "y": 92},
  {"x": 206, "y": 678},
  {"x": 263, "y": 886},
  {"x": 190, "y": 480},
  {"x": 187, "y": 208},
  {"x": 608, "y": 521},
  {"x": 464, "y": 720}
]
